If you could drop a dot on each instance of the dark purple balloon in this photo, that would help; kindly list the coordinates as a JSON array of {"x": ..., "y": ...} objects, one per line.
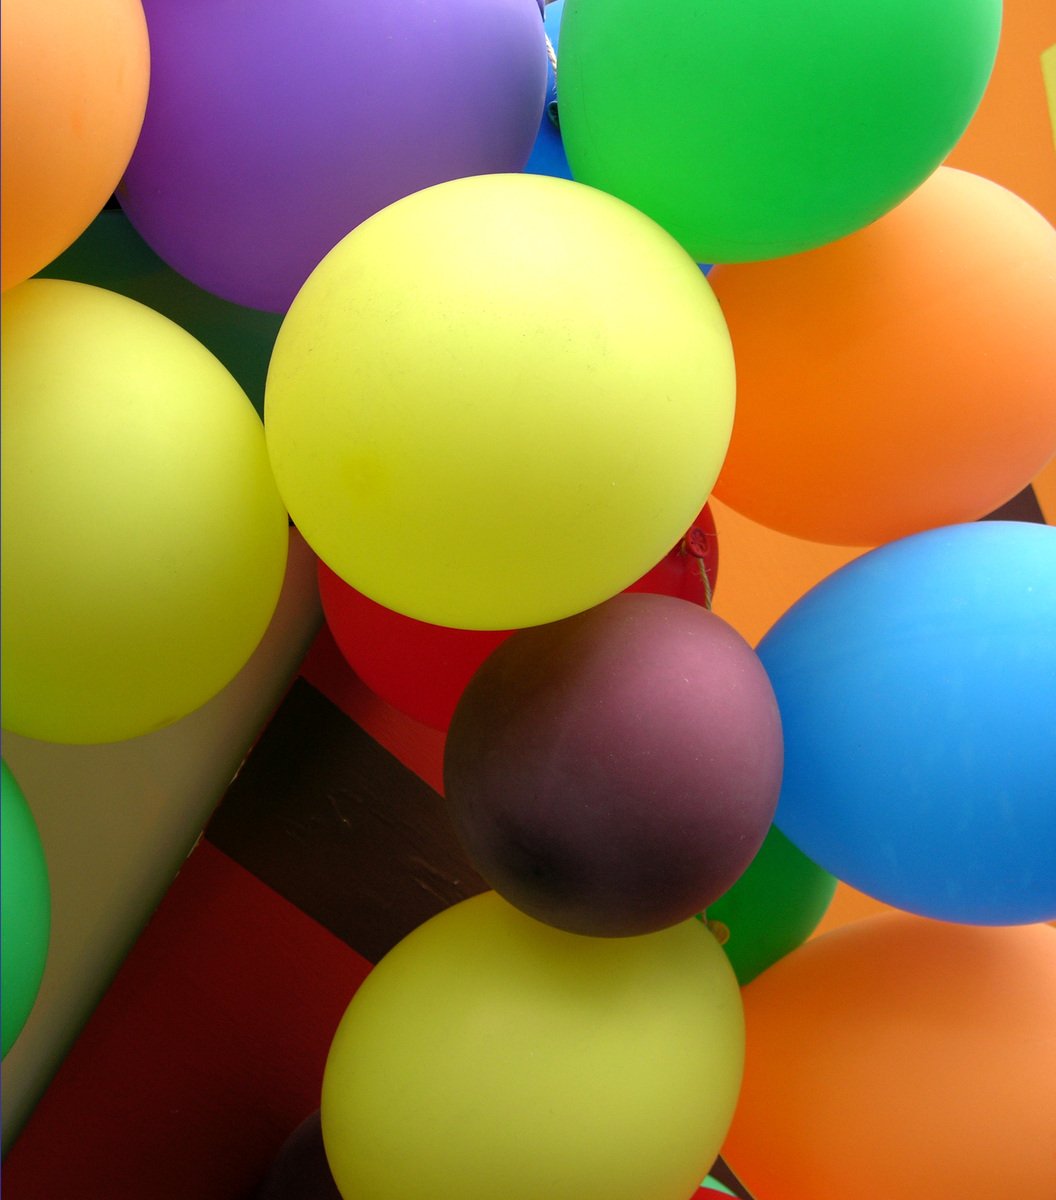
[
  {"x": 273, "y": 128},
  {"x": 614, "y": 773},
  {"x": 300, "y": 1170}
]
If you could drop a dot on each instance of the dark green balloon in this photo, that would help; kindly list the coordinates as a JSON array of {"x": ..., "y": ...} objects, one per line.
[
  {"x": 25, "y": 908},
  {"x": 111, "y": 255},
  {"x": 774, "y": 906},
  {"x": 752, "y": 129}
]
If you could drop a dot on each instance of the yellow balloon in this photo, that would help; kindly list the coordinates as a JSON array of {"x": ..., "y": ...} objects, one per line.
[
  {"x": 144, "y": 539},
  {"x": 499, "y": 401},
  {"x": 490, "y": 1056}
]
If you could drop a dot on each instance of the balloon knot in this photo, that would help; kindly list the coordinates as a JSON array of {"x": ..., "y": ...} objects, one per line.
[
  {"x": 719, "y": 931},
  {"x": 696, "y": 542}
]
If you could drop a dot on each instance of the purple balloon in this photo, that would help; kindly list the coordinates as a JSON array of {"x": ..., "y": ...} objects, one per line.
[
  {"x": 614, "y": 773},
  {"x": 274, "y": 128}
]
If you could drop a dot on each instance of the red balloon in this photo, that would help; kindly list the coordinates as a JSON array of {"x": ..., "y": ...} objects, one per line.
[{"x": 423, "y": 669}]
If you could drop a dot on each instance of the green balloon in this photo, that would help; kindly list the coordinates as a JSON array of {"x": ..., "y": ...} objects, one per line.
[
  {"x": 774, "y": 906},
  {"x": 25, "y": 908},
  {"x": 110, "y": 254},
  {"x": 713, "y": 1185},
  {"x": 753, "y": 129}
]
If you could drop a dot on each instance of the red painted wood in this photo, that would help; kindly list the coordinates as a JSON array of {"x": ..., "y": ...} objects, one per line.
[{"x": 206, "y": 1052}]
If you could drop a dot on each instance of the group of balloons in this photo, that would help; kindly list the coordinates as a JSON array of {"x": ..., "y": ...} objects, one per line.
[{"x": 495, "y": 403}]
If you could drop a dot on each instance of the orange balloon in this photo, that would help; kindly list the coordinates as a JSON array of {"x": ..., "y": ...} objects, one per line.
[
  {"x": 74, "y": 79},
  {"x": 765, "y": 572},
  {"x": 1010, "y": 138},
  {"x": 898, "y": 379},
  {"x": 1045, "y": 491},
  {"x": 898, "y": 1058},
  {"x": 849, "y": 905}
]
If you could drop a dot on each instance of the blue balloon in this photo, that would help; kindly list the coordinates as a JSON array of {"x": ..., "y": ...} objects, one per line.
[
  {"x": 552, "y": 14},
  {"x": 548, "y": 153},
  {"x": 917, "y": 689}
]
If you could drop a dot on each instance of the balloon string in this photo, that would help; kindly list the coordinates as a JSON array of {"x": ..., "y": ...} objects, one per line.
[
  {"x": 707, "y": 584},
  {"x": 695, "y": 543},
  {"x": 551, "y": 54}
]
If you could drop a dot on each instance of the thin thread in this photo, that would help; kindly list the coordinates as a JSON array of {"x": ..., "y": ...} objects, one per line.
[
  {"x": 706, "y": 581},
  {"x": 694, "y": 543}
]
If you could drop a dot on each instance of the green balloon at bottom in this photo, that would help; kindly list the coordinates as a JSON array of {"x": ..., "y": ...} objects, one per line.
[
  {"x": 773, "y": 908},
  {"x": 26, "y": 908},
  {"x": 712, "y": 1185}
]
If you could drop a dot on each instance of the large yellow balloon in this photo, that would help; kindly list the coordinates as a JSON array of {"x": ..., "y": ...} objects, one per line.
[
  {"x": 492, "y": 1056},
  {"x": 499, "y": 401},
  {"x": 144, "y": 540}
]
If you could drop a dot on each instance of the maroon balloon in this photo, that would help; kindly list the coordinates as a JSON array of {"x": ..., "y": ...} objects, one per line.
[
  {"x": 423, "y": 669},
  {"x": 615, "y": 772}
]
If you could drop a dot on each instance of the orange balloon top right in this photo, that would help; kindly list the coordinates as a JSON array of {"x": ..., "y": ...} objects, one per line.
[
  {"x": 899, "y": 378},
  {"x": 1012, "y": 137}
]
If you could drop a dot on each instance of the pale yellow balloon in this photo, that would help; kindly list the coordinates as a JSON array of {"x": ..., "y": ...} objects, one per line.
[
  {"x": 500, "y": 401},
  {"x": 491, "y": 1056},
  {"x": 144, "y": 541}
]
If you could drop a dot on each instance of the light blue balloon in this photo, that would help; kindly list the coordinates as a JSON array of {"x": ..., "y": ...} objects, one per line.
[
  {"x": 917, "y": 689},
  {"x": 552, "y": 14}
]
